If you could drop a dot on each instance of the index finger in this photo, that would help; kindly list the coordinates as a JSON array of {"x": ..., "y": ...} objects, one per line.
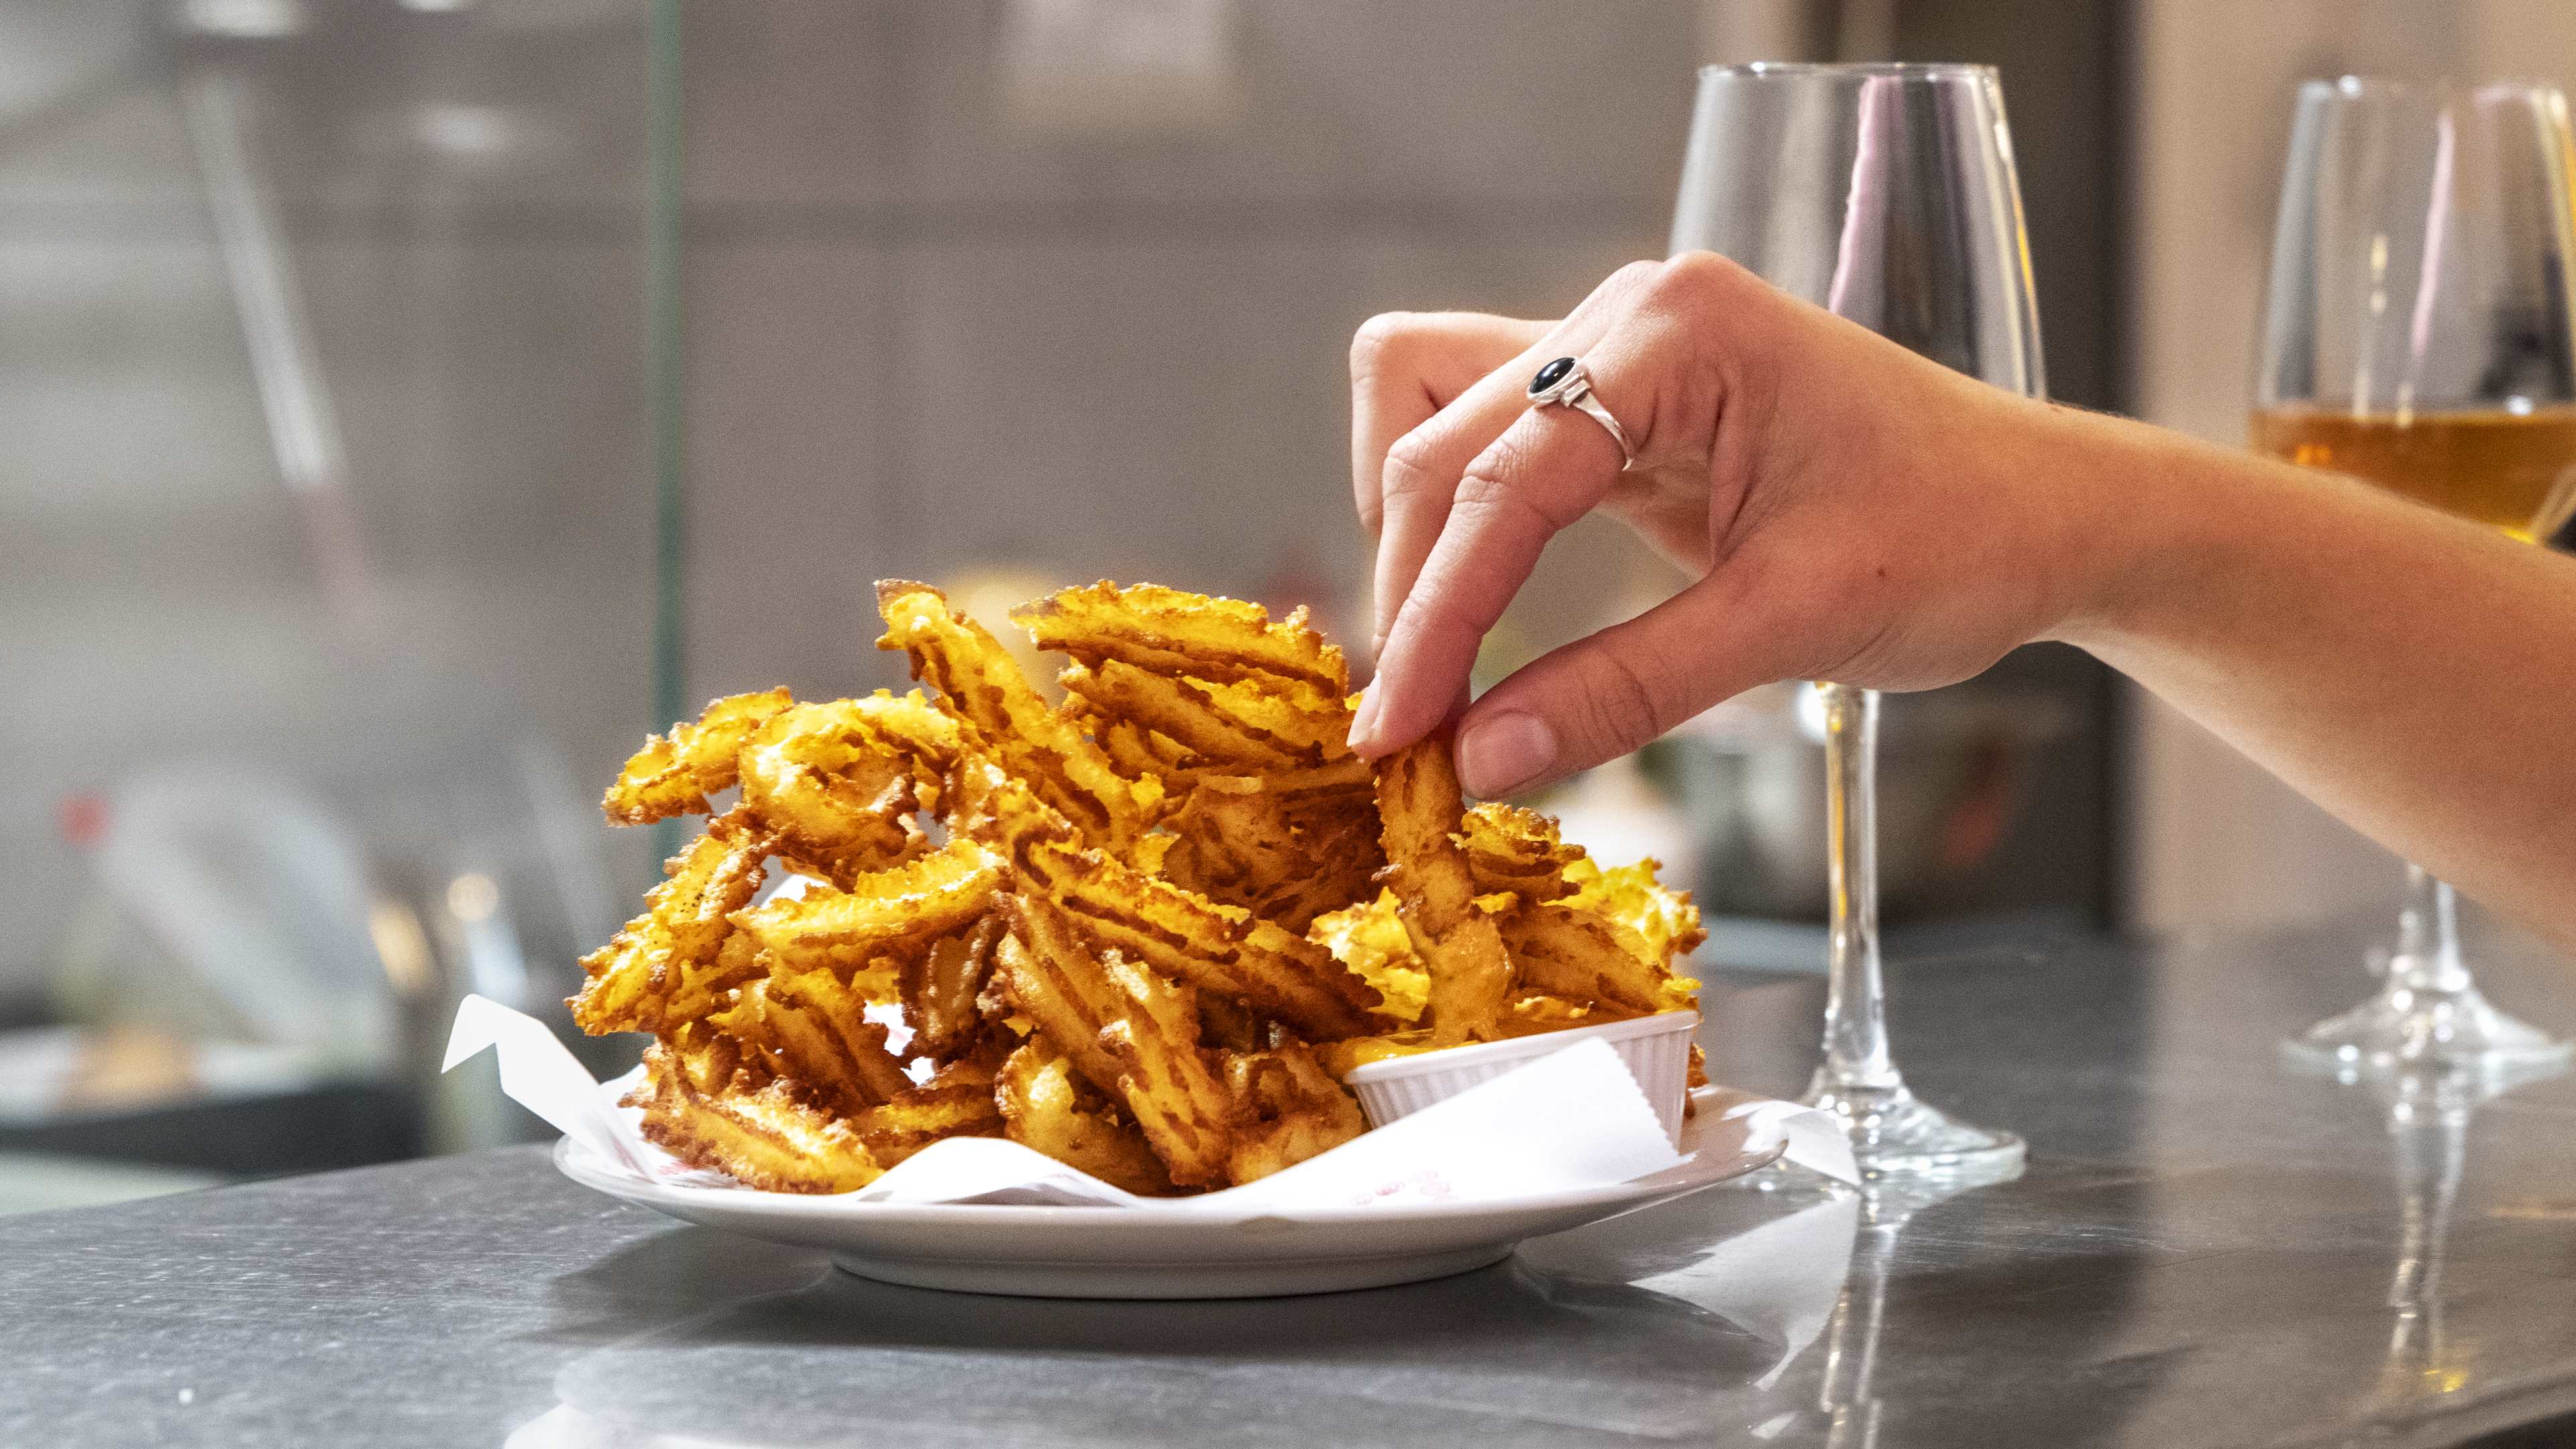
[
  {"x": 1423, "y": 466},
  {"x": 1407, "y": 366},
  {"x": 1551, "y": 466}
]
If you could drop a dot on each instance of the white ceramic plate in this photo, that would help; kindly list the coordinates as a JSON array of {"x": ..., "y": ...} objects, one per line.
[{"x": 1163, "y": 1251}]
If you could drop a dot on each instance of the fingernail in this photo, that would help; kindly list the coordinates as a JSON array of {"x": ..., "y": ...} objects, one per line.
[
  {"x": 1503, "y": 753},
  {"x": 1364, "y": 719}
]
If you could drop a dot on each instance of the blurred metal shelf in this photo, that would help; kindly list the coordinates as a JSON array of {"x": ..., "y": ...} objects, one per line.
[{"x": 332, "y": 1125}]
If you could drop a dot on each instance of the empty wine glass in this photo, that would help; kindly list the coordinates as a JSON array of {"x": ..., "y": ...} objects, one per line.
[{"x": 1886, "y": 194}]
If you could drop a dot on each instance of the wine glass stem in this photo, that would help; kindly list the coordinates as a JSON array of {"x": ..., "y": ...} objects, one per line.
[
  {"x": 2428, "y": 937},
  {"x": 1855, "y": 1003}
]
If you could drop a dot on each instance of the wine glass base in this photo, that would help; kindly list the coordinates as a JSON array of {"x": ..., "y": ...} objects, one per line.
[
  {"x": 2407, "y": 1026},
  {"x": 1895, "y": 1133}
]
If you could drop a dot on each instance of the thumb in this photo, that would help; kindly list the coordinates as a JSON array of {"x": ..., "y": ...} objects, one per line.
[{"x": 1604, "y": 695}]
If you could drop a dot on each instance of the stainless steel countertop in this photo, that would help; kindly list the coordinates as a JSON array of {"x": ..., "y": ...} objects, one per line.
[{"x": 2207, "y": 1250}]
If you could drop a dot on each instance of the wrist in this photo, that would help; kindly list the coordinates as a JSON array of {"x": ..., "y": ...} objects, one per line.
[{"x": 2137, "y": 518}]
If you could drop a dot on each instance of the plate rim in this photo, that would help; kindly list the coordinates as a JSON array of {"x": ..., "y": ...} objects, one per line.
[{"x": 586, "y": 1168}]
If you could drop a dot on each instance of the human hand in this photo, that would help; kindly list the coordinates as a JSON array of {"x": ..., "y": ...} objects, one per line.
[{"x": 1847, "y": 510}]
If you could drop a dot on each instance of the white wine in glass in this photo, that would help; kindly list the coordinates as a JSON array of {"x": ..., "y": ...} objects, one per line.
[
  {"x": 2417, "y": 335},
  {"x": 2496, "y": 466},
  {"x": 1885, "y": 194}
]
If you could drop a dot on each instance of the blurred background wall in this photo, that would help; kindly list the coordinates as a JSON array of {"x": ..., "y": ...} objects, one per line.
[
  {"x": 335, "y": 414},
  {"x": 325, "y": 551}
]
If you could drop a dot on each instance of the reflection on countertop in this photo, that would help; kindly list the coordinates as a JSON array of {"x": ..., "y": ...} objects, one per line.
[{"x": 2206, "y": 1249}]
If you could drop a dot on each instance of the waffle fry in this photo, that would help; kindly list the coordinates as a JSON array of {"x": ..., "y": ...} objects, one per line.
[
  {"x": 1294, "y": 1110},
  {"x": 674, "y": 774},
  {"x": 1419, "y": 803},
  {"x": 1138, "y": 753},
  {"x": 840, "y": 803},
  {"x": 1252, "y": 724},
  {"x": 1047, "y": 1106},
  {"x": 706, "y": 1105},
  {"x": 756, "y": 1131},
  {"x": 939, "y": 986},
  {"x": 885, "y": 912},
  {"x": 1516, "y": 850},
  {"x": 1144, "y": 932},
  {"x": 1131, "y": 1033},
  {"x": 1026, "y": 735},
  {"x": 1248, "y": 960},
  {"x": 999, "y": 810},
  {"x": 806, "y": 1027},
  {"x": 672, "y": 950},
  {"x": 1571, "y": 953},
  {"x": 1183, "y": 635}
]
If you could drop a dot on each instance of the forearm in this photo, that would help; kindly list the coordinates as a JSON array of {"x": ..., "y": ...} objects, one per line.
[
  {"x": 2413, "y": 673},
  {"x": 1859, "y": 513}
]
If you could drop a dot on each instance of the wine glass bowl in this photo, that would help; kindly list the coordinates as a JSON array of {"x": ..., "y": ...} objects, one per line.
[
  {"x": 1885, "y": 194},
  {"x": 2417, "y": 335}
]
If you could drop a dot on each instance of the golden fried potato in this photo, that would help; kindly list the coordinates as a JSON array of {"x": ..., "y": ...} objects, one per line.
[
  {"x": 1152, "y": 937},
  {"x": 1139, "y": 754},
  {"x": 1129, "y": 1031},
  {"x": 1237, "y": 842},
  {"x": 1466, "y": 966},
  {"x": 882, "y": 913},
  {"x": 1025, "y": 734},
  {"x": 807, "y": 1027},
  {"x": 704, "y": 988},
  {"x": 1047, "y": 1107},
  {"x": 1343, "y": 860},
  {"x": 1420, "y": 807},
  {"x": 1183, "y": 635},
  {"x": 1344, "y": 788},
  {"x": 675, "y": 775},
  {"x": 839, "y": 802},
  {"x": 1532, "y": 1012},
  {"x": 1190, "y": 938},
  {"x": 956, "y": 1102},
  {"x": 1294, "y": 1110},
  {"x": 940, "y": 984},
  {"x": 912, "y": 725},
  {"x": 1068, "y": 1008},
  {"x": 996, "y": 808},
  {"x": 1664, "y": 919},
  {"x": 1516, "y": 850},
  {"x": 710, "y": 1105},
  {"x": 1573, "y": 953},
  {"x": 1183, "y": 1109},
  {"x": 1232, "y": 843},
  {"x": 1370, "y": 939},
  {"x": 1250, "y": 724},
  {"x": 674, "y": 952}
]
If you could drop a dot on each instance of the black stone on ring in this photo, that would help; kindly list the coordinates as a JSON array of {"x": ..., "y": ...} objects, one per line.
[{"x": 1564, "y": 383}]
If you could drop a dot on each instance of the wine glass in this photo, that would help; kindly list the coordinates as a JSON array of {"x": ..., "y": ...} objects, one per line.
[
  {"x": 1886, "y": 194},
  {"x": 2417, "y": 334}
]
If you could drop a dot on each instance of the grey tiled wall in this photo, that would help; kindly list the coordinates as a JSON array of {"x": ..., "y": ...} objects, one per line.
[
  {"x": 930, "y": 336},
  {"x": 923, "y": 335}
]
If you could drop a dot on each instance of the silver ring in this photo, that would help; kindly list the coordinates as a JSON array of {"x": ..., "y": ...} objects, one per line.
[{"x": 1564, "y": 382}]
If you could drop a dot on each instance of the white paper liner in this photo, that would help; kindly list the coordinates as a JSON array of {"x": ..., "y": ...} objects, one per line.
[{"x": 1569, "y": 1120}]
